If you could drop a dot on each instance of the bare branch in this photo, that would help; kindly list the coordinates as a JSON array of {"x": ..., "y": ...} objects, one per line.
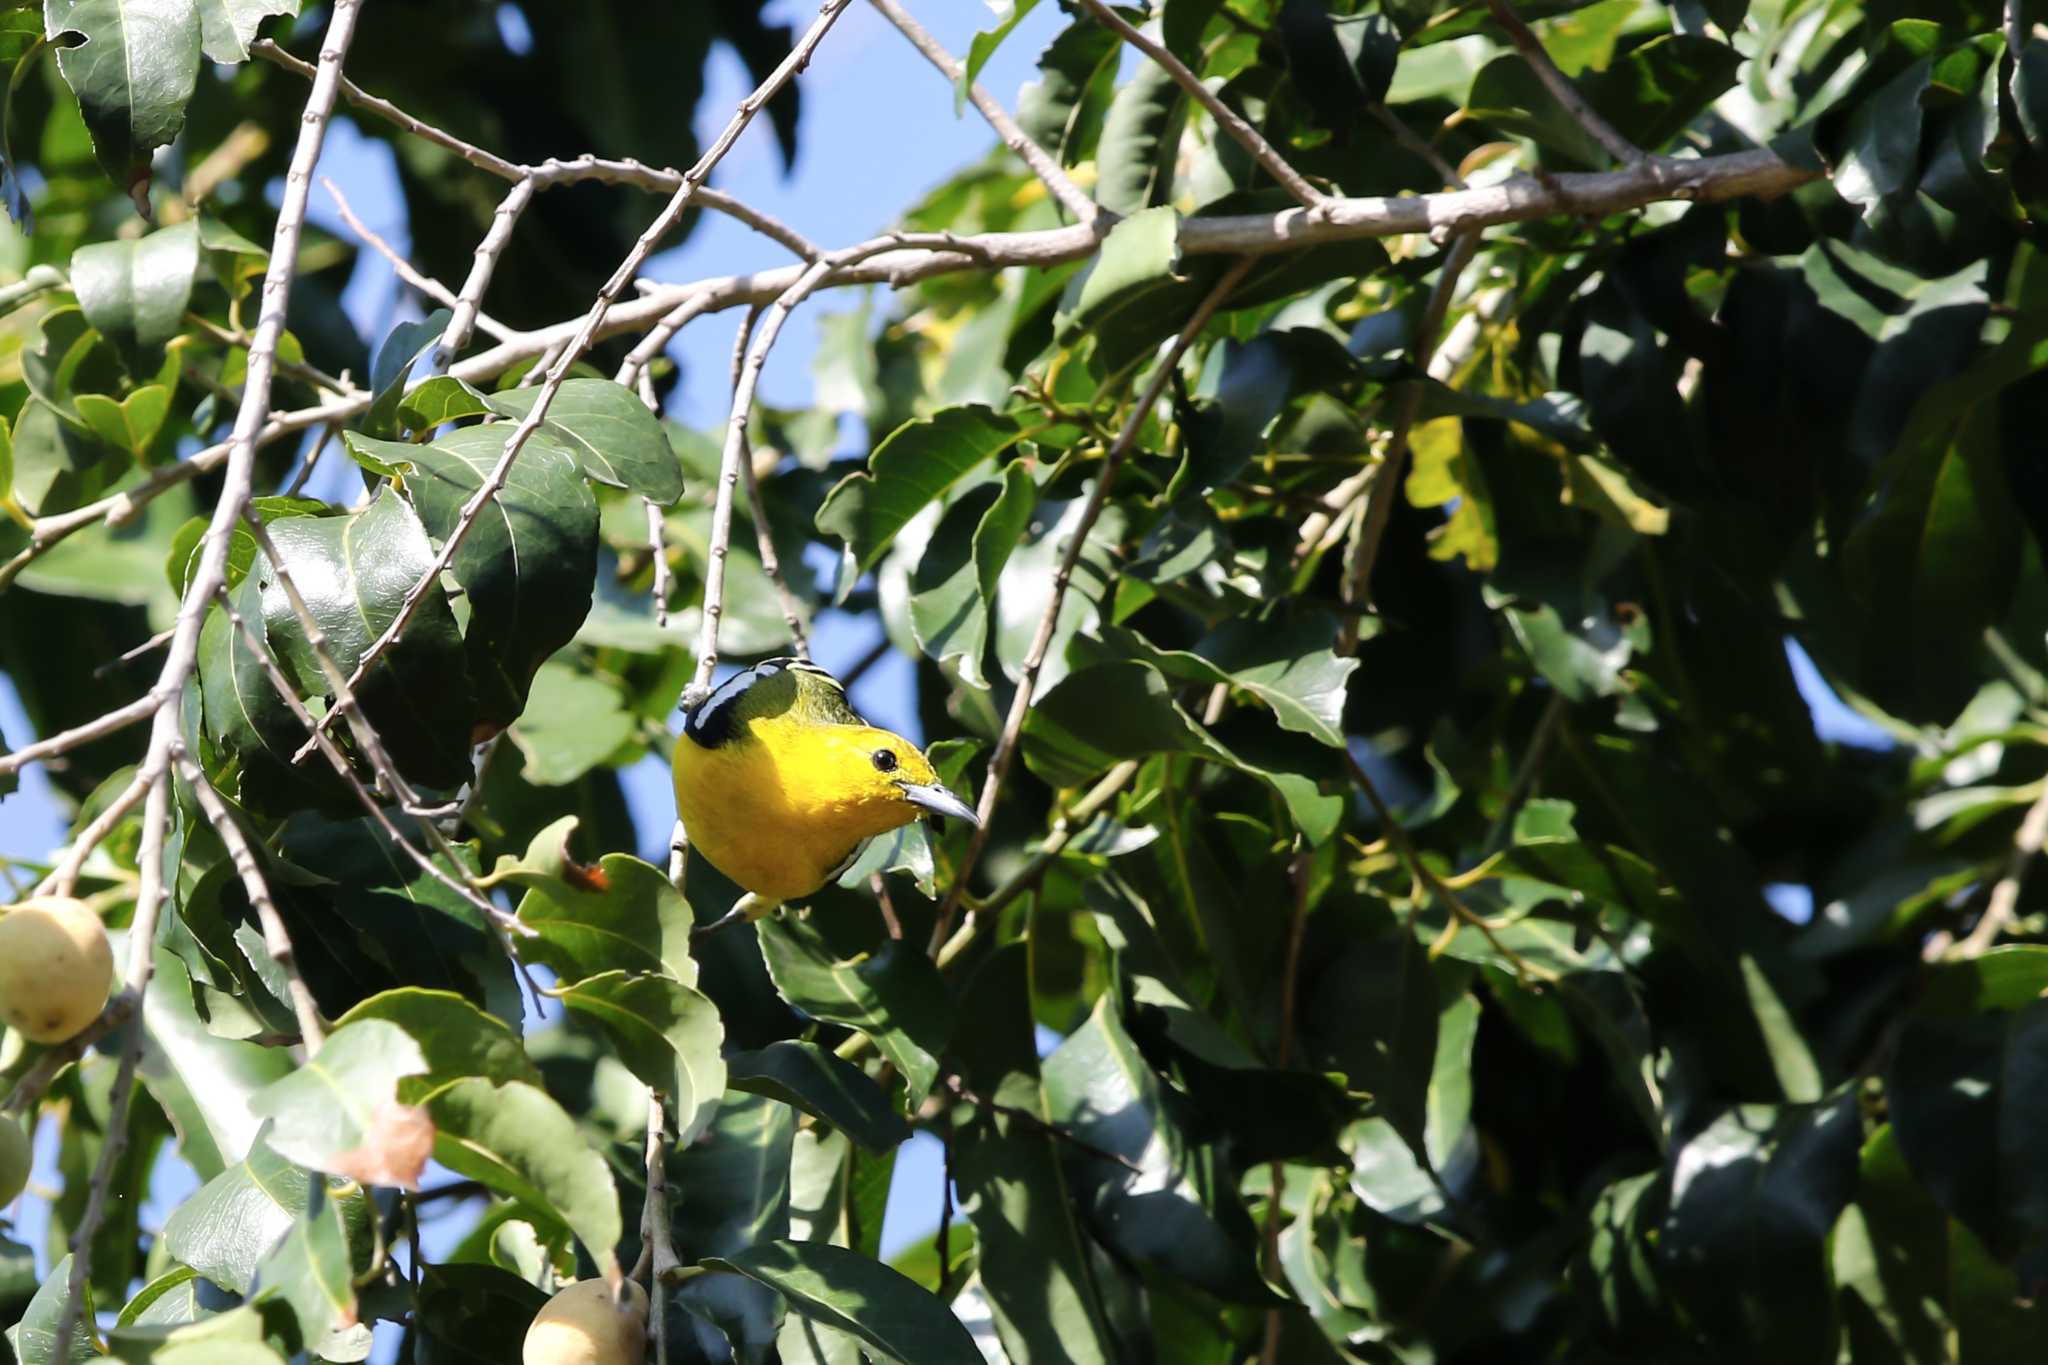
[
  {"x": 385, "y": 109},
  {"x": 747, "y": 377},
  {"x": 63, "y": 879},
  {"x": 249, "y": 868},
  {"x": 587, "y": 331},
  {"x": 1521, "y": 199},
  {"x": 1226, "y": 118},
  {"x": 149, "y": 899},
  {"x": 426, "y": 284},
  {"x": 2005, "y": 895},
  {"x": 470, "y": 301},
  {"x": 657, "y": 544},
  {"x": 1015, "y": 138},
  {"x": 1048, "y": 621},
  {"x": 634, "y": 367},
  {"x": 1561, "y": 88},
  {"x": 764, "y": 534},
  {"x": 657, "y": 1246}
]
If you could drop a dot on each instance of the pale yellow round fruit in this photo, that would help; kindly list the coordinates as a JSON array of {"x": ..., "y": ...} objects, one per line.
[
  {"x": 55, "y": 967},
  {"x": 14, "y": 1157},
  {"x": 581, "y": 1325}
]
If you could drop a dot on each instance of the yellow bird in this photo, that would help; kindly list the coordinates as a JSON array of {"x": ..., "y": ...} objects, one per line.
[{"x": 779, "y": 782}]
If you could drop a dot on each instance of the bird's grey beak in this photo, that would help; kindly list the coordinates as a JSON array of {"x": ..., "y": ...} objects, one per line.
[{"x": 939, "y": 801}]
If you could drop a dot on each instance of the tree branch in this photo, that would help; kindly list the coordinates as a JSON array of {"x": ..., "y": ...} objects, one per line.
[
  {"x": 1561, "y": 88},
  {"x": 1706, "y": 179},
  {"x": 757, "y": 508},
  {"x": 1226, "y": 118},
  {"x": 276, "y": 941},
  {"x": 1048, "y": 621},
  {"x": 425, "y": 284},
  {"x": 2005, "y": 895},
  {"x": 469, "y": 302},
  {"x": 586, "y": 332},
  {"x": 1041, "y": 163}
]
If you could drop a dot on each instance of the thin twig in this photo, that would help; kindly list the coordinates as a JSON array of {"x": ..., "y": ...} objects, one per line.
[
  {"x": 1526, "y": 773},
  {"x": 1385, "y": 486},
  {"x": 748, "y": 378},
  {"x": 405, "y": 269},
  {"x": 149, "y": 899},
  {"x": 1015, "y": 138},
  {"x": 63, "y": 878},
  {"x": 469, "y": 302},
  {"x": 1226, "y": 118},
  {"x": 29, "y": 1087},
  {"x": 654, "y": 1226},
  {"x": 1411, "y": 858},
  {"x": 586, "y": 333},
  {"x": 1758, "y": 173},
  {"x": 1560, "y": 86},
  {"x": 757, "y": 508},
  {"x": 206, "y": 580},
  {"x": 1283, "y": 1051},
  {"x": 249, "y": 868},
  {"x": 2005, "y": 895},
  {"x": 1071, "y": 822},
  {"x": 1048, "y": 621}
]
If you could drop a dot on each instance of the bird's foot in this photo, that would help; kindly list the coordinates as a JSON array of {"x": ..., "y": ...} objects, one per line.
[{"x": 748, "y": 907}]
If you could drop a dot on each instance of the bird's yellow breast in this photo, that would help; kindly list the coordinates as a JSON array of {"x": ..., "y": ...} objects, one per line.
[{"x": 780, "y": 805}]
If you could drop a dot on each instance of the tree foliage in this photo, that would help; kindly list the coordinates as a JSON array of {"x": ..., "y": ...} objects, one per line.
[{"x": 1377, "y": 559}]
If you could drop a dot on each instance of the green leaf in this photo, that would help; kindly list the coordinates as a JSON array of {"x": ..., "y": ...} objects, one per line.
[
  {"x": 402, "y": 348},
  {"x": 136, "y": 292},
  {"x": 1754, "y": 1197},
  {"x": 1140, "y": 143},
  {"x": 619, "y": 914},
  {"x": 1172, "y": 1211},
  {"x": 1292, "y": 667},
  {"x": 227, "y": 26},
  {"x": 1414, "y": 1177},
  {"x": 911, "y": 467},
  {"x": 334, "y": 1105},
  {"x": 455, "y": 1038},
  {"x": 226, "y": 1229},
  {"x": 1967, "y": 1103},
  {"x": 1650, "y": 93},
  {"x": 1032, "y": 1258},
  {"x": 1119, "y": 293},
  {"x": 819, "y": 1083},
  {"x": 35, "y": 1336},
  {"x": 353, "y": 572},
  {"x": 610, "y": 433},
  {"x": 1445, "y": 474},
  {"x": 444, "y": 398},
  {"x": 206, "y": 1083},
  {"x": 573, "y": 722},
  {"x": 133, "y": 65},
  {"x": 522, "y": 1144},
  {"x": 310, "y": 1271},
  {"x": 666, "y": 1033},
  {"x": 730, "y": 1191},
  {"x": 130, "y": 425},
  {"x": 1101, "y": 715},
  {"x": 895, "y": 1320},
  {"x": 894, "y": 995},
  {"x": 526, "y": 566},
  {"x": 955, "y": 579},
  {"x": 1063, "y": 110},
  {"x": 984, "y": 45}
]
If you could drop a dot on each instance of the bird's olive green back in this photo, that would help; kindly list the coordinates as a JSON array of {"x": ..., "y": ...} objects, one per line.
[{"x": 773, "y": 687}]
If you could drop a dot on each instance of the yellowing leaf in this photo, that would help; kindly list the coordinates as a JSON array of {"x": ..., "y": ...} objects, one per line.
[{"x": 1444, "y": 476}]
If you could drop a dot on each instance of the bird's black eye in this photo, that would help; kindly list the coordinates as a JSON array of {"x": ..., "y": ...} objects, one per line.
[{"x": 885, "y": 761}]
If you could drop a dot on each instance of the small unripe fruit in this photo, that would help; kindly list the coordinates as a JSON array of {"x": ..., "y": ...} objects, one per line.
[
  {"x": 14, "y": 1157},
  {"x": 55, "y": 967},
  {"x": 581, "y": 1325}
]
